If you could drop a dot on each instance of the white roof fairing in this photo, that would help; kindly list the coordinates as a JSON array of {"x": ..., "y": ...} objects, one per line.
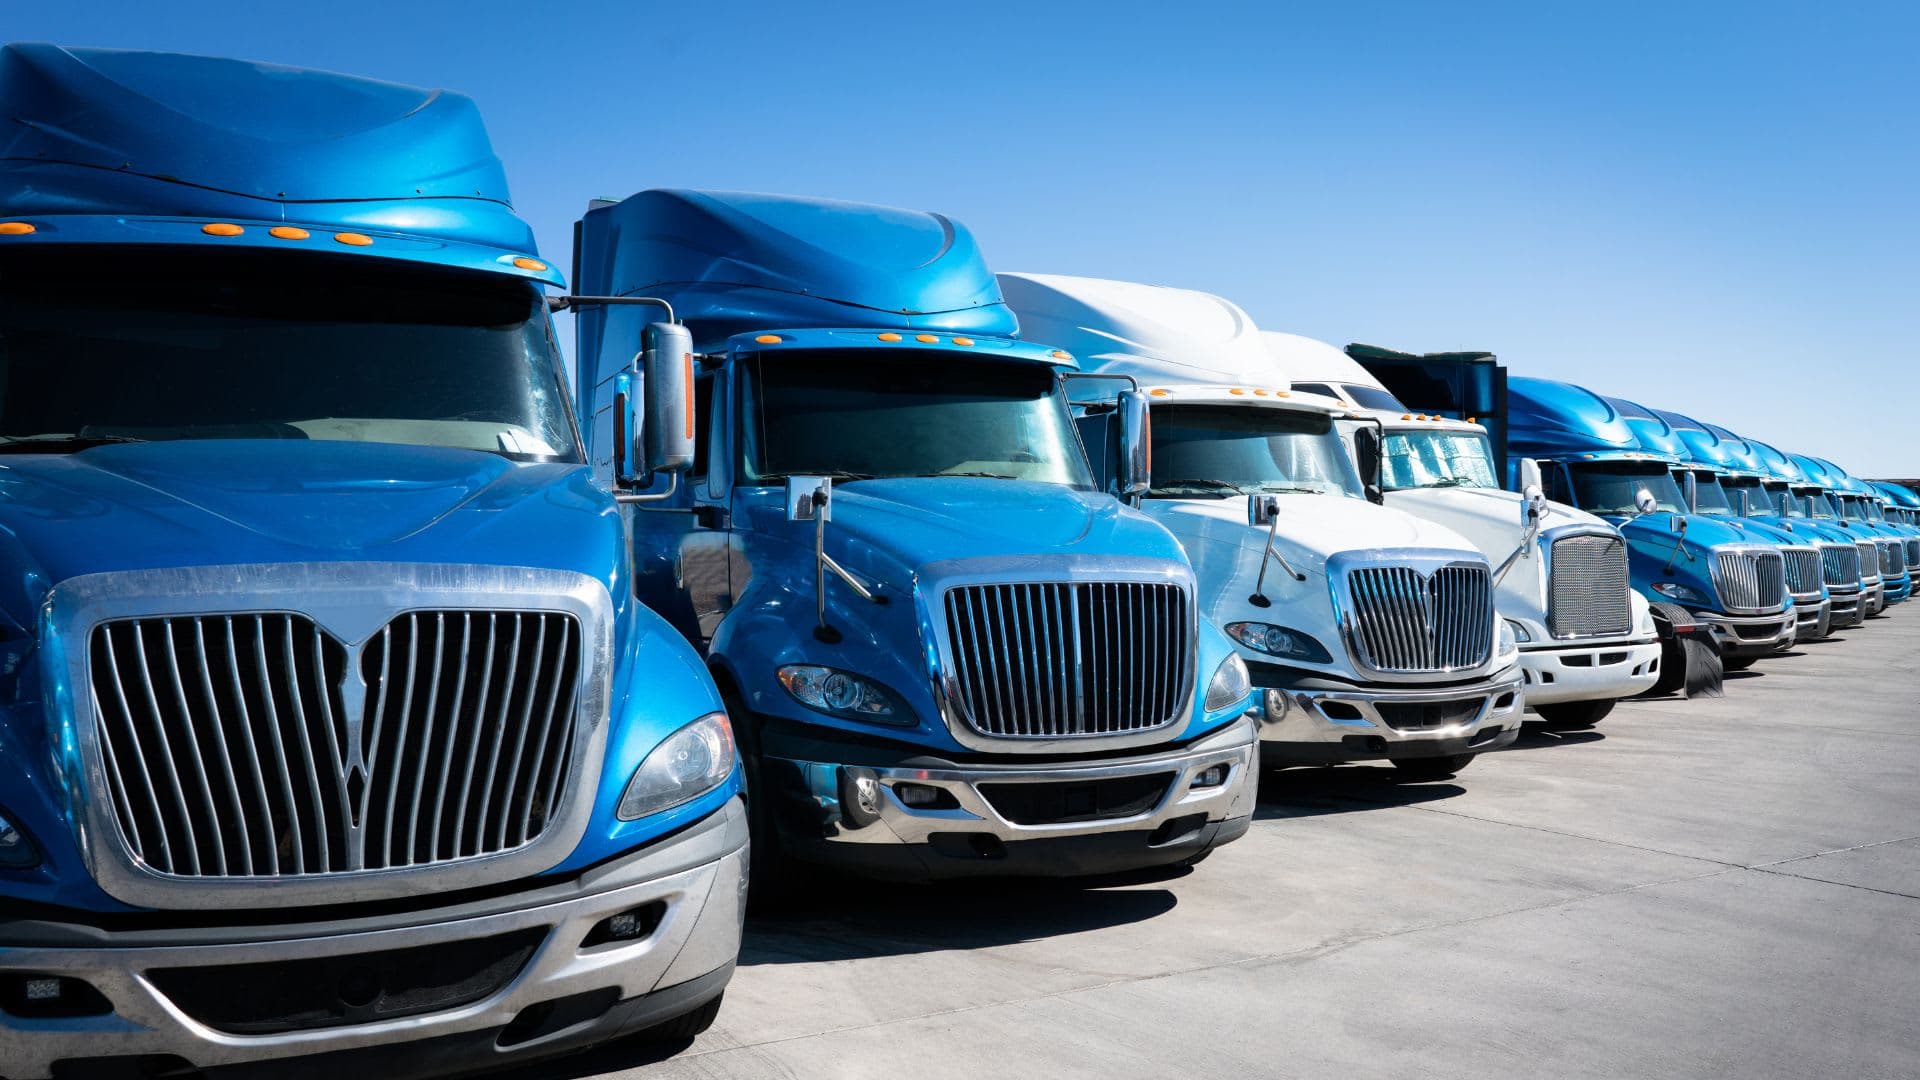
[
  {"x": 1156, "y": 334},
  {"x": 1303, "y": 359}
]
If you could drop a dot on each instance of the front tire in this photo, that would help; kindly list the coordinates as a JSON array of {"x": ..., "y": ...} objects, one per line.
[
  {"x": 1432, "y": 768},
  {"x": 1573, "y": 715},
  {"x": 1738, "y": 663},
  {"x": 775, "y": 880},
  {"x": 683, "y": 1027},
  {"x": 1673, "y": 651}
]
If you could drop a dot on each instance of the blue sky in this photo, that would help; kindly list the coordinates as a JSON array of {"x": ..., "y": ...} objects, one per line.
[{"x": 1706, "y": 207}]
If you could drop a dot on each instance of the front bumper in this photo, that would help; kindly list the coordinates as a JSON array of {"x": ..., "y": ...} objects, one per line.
[
  {"x": 565, "y": 995},
  {"x": 1314, "y": 720},
  {"x": 1750, "y": 635},
  {"x": 927, "y": 820},
  {"x": 1874, "y": 597},
  {"x": 1589, "y": 671},
  {"x": 1899, "y": 588},
  {"x": 1846, "y": 610}
]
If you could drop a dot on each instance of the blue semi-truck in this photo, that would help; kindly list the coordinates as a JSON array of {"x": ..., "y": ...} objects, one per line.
[
  {"x": 1750, "y": 491},
  {"x": 1589, "y": 455},
  {"x": 330, "y": 725},
  {"x": 946, "y": 650},
  {"x": 1854, "y": 511},
  {"x": 1699, "y": 479},
  {"x": 1800, "y": 495}
]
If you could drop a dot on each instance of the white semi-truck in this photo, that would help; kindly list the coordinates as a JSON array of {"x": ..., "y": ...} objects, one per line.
[
  {"x": 1586, "y": 638},
  {"x": 1371, "y": 631}
]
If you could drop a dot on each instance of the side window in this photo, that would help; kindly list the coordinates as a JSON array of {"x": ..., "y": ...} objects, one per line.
[
  {"x": 1315, "y": 388},
  {"x": 702, "y": 428}
]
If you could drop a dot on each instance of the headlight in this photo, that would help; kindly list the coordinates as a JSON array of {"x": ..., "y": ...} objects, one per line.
[
  {"x": 1279, "y": 641},
  {"x": 839, "y": 693},
  {"x": 691, "y": 762},
  {"x": 1683, "y": 594},
  {"x": 1230, "y": 684},
  {"x": 1507, "y": 641},
  {"x": 16, "y": 851},
  {"x": 1517, "y": 631}
]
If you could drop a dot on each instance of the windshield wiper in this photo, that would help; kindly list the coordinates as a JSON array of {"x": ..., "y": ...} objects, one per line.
[
  {"x": 33, "y": 444},
  {"x": 776, "y": 477},
  {"x": 986, "y": 475},
  {"x": 1288, "y": 489},
  {"x": 1205, "y": 485}
]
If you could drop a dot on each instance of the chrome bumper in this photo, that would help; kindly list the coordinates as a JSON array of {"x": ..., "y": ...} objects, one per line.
[
  {"x": 698, "y": 935},
  {"x": 862, "y": 805},
  {"x": 1750, "y": 635},
  {"x": 1873, "y": 597},
  {"x": 1812, "y": 618},
  {"x": 1586, "y": 672},
  {"x": 1324, "y": 717},
  {"x": 1845, "y": 610}
]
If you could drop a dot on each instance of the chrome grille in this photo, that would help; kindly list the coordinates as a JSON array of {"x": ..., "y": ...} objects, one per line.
[
  {"x": 1803, "y": 572},
  {"x": 1840, "y": 564},
  {"x": 238, "y": 745},
  {"x": 1064, "y": 659},
  {"x": 1751, "y": 581},
  {"x": 1893, "y": 558},
  {"x": 1587, "y": 587},
  {"x": 1913, "y": 552},
  {"x": 1406, "y": 621},
  {"x": 1869, "y": 560}
]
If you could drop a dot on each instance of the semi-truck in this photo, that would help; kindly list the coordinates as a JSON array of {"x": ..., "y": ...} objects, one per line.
[
  {"x": 1803, "y": 496},
  {"x": 1902, "y": 505},
  {"x": 1371, "y": 633},
  {"x": 1837, "y": 492},
  {"x": 1586, "y": 638},
  {"x": 947, "y": 652},
  {"x": 1699, "y": 480},
  {"x": 1753, "y": 494},
  {"x": 1860, "y": 504},
  {"x": 1715, "y": 575},
  {"x": 332, "y": 728}
]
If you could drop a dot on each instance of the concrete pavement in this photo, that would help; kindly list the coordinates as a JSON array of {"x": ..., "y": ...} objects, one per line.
[{"x": 1720, "y": 887}]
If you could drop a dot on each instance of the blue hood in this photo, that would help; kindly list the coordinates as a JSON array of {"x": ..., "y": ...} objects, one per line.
[{"x": 212, "y": 502}]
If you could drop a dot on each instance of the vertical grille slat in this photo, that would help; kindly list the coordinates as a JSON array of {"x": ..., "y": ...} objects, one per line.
[
  {"x": 1404, "y": 621},
  {"x": 1068, "y": 659},
  {"x": 1750, "y": 581},
  {"x": 231, "y": 752},
  {"x": 1804, "y": 575},
  {"x": 1840, "y": 565}
]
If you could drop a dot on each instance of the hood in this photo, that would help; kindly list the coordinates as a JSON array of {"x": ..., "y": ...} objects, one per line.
[
  {"x": 213, "y": 502},
  {"x": 1311, "y": 528},
  {"x": 1703, "y": 531},
  {"x": 1488, "y": 517},
  {"x": 911, "y": 522}
]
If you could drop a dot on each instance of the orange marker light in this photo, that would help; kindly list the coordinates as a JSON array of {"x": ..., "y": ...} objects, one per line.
[
  {"x": 525, "y": 263},
  {"x": 222, "y": 228},
  {"x": 768, "y": 339},
  {"x": 1237, "y": 392},
  {"x": 1157, "y": 393},
  {"x": 354, "y": 239},
  {"x": 925, "y": 338},
  {"x": 889, "y": 336},
  {"x": 16, "y": 228},
  {"x": 1061, "y": 354},
  {"x": 1259, "y": 393},
  {"x": 963, "y": 341},
  {"x": 288, "y": 232}
]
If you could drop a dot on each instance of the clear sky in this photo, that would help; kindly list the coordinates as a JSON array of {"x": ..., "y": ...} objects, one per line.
[{"x": 1708, "y": 207}]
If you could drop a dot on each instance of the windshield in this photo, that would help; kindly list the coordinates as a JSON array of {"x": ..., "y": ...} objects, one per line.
[
  {"x": 1873, "y": 510},
  {"x": 1850, "y": 508},
  {"x": 1611, "y": 487},
  {"x": 1222, "y": 450},
  {"x": 1759, "y": 502},
  {"x": 1820, "y": 504},
  {"x": 1433, "y": 458},
  {"x": 880, "y": 413},
  {"x": 1372, "y": 397},
  {"x": 1709, "y": 496},
  {"x": 231, "y": 345}
]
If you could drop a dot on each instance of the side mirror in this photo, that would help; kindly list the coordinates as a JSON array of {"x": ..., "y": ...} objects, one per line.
[
  {"x": 809, "y": 498},
  {"x": 1136, "y": 444},
  {"x": 1643, "y": 501},
  {"x": 665, "y": 436},
  {"x": 1530, "y": 490},
  {"x": 1262, "y": 510},
  {"x": 1743, "y": 503},
  {"x": 1366, "y": 455},
  {"x": 1690, "y": 490}
]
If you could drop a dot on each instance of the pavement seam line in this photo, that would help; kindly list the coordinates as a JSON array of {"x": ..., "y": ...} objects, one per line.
[
  {"x": 1308, "y": 951},
  {"x": 1836, "y": 851},
  {"x": 1830, "y": 881}
]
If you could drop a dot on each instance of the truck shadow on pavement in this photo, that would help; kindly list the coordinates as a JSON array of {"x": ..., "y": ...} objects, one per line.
[
  {"x": 1343, "y": 789},
  {"x": 850, "y": 919},
  {"x": 1541, "y": 737}
]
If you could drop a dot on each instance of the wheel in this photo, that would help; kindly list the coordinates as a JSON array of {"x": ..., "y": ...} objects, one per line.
[
  {"x": 1673, "y": 652},
  {"x": 1738, "y": 663},
  {"x": 682, "y": 1027},
  {"x": 775, "y": 880},
  {"x": 1568, "y": 715},
  {"x": 1432, "y": 768}
]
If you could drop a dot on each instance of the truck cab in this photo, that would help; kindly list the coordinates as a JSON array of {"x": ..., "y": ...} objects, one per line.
[
  {"x": 1371, "y": 633},
  {"x": 1902, "y": 506},
  {"x": 1590, "y": 456},
  {"x": 1801, "y": 496},
  {"x": 330, "y": 724},
  {"x": 951, "y": 653},
  {"x": 1699, "y": 480},
  {"x": 1586, "y": 638},
  {"x": 1863, "y": 503},
  {"x": 1854, "y": 513}
]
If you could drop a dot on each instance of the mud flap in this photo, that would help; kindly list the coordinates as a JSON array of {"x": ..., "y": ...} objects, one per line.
[{"x": 1689, "y": 656}]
